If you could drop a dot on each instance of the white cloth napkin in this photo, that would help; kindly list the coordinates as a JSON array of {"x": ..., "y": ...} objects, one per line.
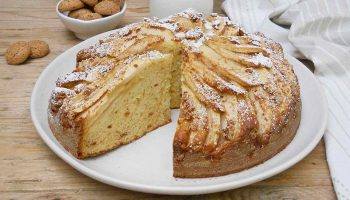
[{"x": 319, "y": 31}]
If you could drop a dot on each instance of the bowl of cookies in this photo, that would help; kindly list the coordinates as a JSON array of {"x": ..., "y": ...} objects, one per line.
[{"x": 86, "y": 18}]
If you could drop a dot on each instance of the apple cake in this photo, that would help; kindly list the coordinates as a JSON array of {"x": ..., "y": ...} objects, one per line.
[{"x": 238, "y": 96}]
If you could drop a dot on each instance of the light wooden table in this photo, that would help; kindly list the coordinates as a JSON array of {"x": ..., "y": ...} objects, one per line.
[{"x": 30, "y": 170}]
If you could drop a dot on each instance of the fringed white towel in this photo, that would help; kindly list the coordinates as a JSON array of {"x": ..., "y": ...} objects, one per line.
[{"x": 319, "y": 31}]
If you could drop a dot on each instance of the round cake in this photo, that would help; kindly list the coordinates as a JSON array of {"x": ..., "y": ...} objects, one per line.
[{"x": 238, "y": 96}]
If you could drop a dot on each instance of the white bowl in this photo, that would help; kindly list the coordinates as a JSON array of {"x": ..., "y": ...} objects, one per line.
[{"x": 86, "y": 29}]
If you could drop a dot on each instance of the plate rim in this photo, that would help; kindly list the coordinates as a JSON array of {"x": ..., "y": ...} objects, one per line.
[{"x": 168, "y": 189}]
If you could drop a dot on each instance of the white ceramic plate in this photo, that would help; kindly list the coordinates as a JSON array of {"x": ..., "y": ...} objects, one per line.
[{"x": 146, "y": 164}]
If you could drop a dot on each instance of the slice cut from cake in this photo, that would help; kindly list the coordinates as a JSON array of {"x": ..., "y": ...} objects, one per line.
[{"x": 118, "y": 96}]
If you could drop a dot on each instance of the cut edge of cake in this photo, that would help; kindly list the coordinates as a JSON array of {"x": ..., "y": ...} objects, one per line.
[{"x": 144, "y": 81}]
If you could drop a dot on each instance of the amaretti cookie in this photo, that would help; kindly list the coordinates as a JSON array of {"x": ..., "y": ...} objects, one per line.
[
  {"x": 17, "y": 53},
  {"x": 69, "y": 5},
  {"x": 38, "y": 48}
]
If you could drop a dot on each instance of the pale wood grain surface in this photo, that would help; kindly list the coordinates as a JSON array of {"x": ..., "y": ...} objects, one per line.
[{"x": 30, "y": 170}]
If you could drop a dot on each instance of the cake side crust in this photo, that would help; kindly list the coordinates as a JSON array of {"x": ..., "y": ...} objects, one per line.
[
  {"x": 236, "y": 158},
  {"x": 69, "y": 138}
]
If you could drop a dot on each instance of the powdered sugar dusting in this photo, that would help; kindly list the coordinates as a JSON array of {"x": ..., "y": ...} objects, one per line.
[
  {"x": 254, "y": 78},
  {"x": 208, "y": 93},
  {"x": 104, "y": 48},
  {"x": 254, "y": 39},
  {"x": 243, "y": 109},
  {"x": 120, "y": 71},
  {"x": 78, "y": 88},
  {"x": 126, "y": 30},
  {"x": 200, "y": 116},
  {"x": 145, "y": 56},
  {"x": 216, "y": 24},
  {"x": 193, "y": 45},
  {"x": 248, "y": 39},
  {"x": 151, "y": 55},
  {"x": 57, "y": 97},
  {"x": 170, "y": 26},
  {"x": 220, "y": 20},
  {"x": 260, "y": 60},
  {"x": 99, "y": 71},
  {"x": 60, "y": 90},
  {"x": 195, "y": 109},
  {"x": 227, "y": 21},
  {"x": 208, "y": 25},
  {"x": 234, "y": 39},
  {"x": 100, "y": 49},
  {"x": 191, "y": 14},
  {"x": 104, "y": 69},
  {"x": 223, "y": 85},
  {"x": 72, "y": 77},
  {"x": 191, "y": 34}
]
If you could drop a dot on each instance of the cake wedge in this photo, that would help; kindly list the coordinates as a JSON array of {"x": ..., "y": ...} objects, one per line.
[{"x": 109, "y": 111}]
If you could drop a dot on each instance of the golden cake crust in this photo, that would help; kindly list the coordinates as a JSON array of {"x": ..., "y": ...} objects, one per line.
[{"x": 237, "y": 156}]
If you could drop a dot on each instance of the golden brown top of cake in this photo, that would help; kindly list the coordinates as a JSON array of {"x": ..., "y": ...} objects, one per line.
[
  {"x": 235, "y": 89},
  {"x": 236, "y": 86}
]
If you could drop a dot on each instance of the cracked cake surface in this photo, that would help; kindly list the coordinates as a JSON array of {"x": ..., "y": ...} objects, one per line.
[{"x": 238, "y": 96}]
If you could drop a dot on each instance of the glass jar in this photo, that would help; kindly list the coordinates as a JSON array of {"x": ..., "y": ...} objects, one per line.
[{"x": 164, "y": 8}]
